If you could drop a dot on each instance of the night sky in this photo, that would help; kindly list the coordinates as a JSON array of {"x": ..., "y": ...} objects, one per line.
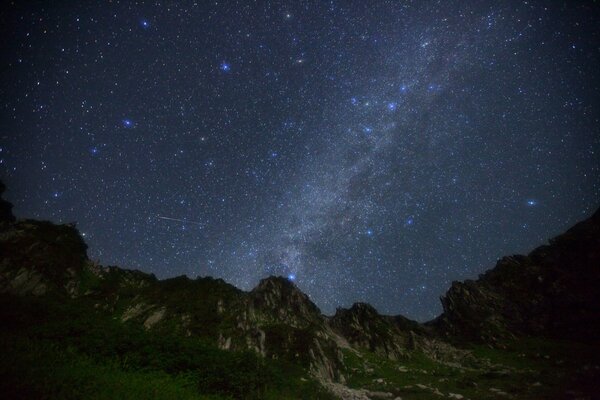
[{"x": 369, "y": 151}]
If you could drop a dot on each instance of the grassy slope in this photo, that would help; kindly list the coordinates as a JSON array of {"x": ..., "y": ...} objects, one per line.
[
  {"x": 57, "y": 349},
  {"x": 54, "y": 349},
  {"x": 527, "y": 369}
]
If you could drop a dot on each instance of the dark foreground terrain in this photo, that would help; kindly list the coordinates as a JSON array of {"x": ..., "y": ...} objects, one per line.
[{"x": 73, "y": 329}]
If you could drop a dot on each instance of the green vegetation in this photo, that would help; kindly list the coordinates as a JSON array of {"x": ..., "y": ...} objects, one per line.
[
  {"x": 42, "y": 370},
  {"x": 57, "y": 350},
  {"x": 527, "y": 369},
  {"x": 200, "y": 299}
]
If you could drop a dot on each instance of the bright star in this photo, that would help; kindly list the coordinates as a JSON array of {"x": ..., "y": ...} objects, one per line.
[
  {"x": 531, "y": 203},
  {"x": 391, "y": 106},
  {"x": 225, "y": 67},
  {"x": 367, "y": 129},
  {"x": 145, "y": 24},
  {"x": 369, "y": 232},
  {"x": 127, "y": 123},
  {"x": 292, "y": 277}
]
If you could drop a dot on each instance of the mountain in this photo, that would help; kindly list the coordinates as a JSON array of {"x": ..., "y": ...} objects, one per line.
[
  {"x": 525, "y": 329},
  {"x": 553, "y": 292}
]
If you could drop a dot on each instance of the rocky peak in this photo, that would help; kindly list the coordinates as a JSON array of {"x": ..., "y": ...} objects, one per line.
[
  {"x": 280, "y": 298},
  {"x": 364, "y": 327},
  {"x": 39, "y": 256},
  {"x": 364, "y": 310},
  {"x": 275, "y": 283}
]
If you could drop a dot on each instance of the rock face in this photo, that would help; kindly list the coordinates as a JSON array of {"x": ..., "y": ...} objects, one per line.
[
  {"x": 38, "y": 256},
  {"x": 279, "y": 300},
  {"x": 363, "y": 327},
  {"x": 288, "y": 324},
  {"x": 552, "y": 291}
]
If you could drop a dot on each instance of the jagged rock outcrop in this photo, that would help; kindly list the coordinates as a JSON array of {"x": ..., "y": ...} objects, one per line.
[
  {"x": 288, "y": 324},
  {"x": 364, "y": 327},
  {"x": 553, "y": 291},
  {"x": 279, "y": 300},
  {"x": 393, "y": 337},
  {"x": 39, "y": 256}
]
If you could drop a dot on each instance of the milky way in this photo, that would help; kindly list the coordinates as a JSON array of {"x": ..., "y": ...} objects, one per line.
[{"x": 369, "y": 152}]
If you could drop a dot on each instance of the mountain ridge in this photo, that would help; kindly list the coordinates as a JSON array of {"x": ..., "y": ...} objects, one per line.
[{"x": 276, "y": 320}]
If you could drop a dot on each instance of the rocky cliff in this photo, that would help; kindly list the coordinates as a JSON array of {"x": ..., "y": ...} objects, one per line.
[{"x": 554, "y": 291}]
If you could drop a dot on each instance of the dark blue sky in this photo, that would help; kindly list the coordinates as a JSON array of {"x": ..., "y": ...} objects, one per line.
[{"x": 372, "y": 151}]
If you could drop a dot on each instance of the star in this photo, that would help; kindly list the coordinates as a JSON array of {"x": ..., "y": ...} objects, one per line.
[
  {"x": 225, "y": 67},
  {"x": 127, "y": 123}
]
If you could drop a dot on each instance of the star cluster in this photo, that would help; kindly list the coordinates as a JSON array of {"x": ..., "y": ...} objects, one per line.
[{"x": 368, "y": 151}]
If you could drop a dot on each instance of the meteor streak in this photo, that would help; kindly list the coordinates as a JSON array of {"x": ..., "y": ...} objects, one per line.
[{"x": 180, "y": 220}]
